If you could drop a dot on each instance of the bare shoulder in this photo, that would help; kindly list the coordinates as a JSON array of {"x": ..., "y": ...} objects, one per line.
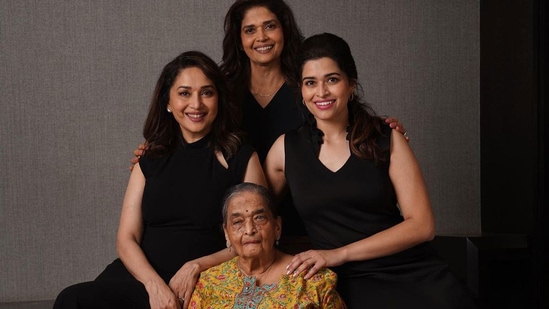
[
  {"x": 279, "y": 142},
  {"x": 276, "y": 153}
]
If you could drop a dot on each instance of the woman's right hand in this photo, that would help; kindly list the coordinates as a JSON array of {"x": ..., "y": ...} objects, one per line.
[
  {"x": 161, "y": 296},
  {"x": 183, "y": 282},
  {"x": 311, "y": 261},
  {"x": 137, "y": 154}
]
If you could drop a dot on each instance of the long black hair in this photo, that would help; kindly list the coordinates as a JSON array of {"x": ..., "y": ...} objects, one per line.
[
  {"x": 162, "y": 132},
  {"x": 364, "y": 124},
  {"x": 236, "y": 64}
]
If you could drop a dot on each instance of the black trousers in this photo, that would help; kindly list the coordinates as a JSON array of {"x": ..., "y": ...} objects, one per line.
[{"x": 115, "y": 287}]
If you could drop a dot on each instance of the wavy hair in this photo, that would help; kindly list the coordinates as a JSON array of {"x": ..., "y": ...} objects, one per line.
[
  {"x": 236, "y": 64},
  {"x": 364, "y": 125},
  {"x": 162, "y": 132}
]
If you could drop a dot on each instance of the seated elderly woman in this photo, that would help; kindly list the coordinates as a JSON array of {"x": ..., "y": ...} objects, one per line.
[{"x": 256, "y": 277}]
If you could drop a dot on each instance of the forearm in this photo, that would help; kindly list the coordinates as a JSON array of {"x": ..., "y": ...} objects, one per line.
[
  {"x": 136, "y": 262},
  {"x": 398, "y": 238},
  {"x": 213, "y": 259}
]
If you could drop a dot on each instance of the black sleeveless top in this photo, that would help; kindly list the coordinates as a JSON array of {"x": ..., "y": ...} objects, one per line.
[
  {"x": 353, "y": 203},
  {"x": 182, "y": 203},
  {"x": 263, "y": 126},
  {"x": 341, "y": 207}
]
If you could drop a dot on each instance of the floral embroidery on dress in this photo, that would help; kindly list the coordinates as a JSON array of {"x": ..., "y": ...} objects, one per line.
[
  {"x": 224, "y": 286},
  {"x": 251, "y": 294}
]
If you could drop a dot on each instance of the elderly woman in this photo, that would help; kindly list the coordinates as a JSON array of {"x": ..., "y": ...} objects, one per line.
[{"x": 257, "y": 278}]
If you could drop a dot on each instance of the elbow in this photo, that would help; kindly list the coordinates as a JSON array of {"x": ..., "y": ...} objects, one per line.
[
  {"x": 424, "y": 231},
  {"x": 122, "y": 245},
  {"x": 119, "y": 247},
  {"x": 429, "y": 231},
  {"x": 430, "y": 235}
]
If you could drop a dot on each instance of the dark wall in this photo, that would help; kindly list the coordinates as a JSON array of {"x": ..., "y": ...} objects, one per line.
[
  {"x": 508, "y": 80},
  {"x": 512, "y": 254}
]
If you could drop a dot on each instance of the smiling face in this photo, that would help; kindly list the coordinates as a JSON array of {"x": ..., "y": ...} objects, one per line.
[
  {"x": 193, "y": 102},
  {"x": 261, "y": 36},
  {"x": 326, "y": 89},
  {"x": 250, "y": 226}
]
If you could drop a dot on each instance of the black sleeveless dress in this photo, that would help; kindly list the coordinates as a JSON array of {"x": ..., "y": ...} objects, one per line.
[
  {"x": 181, "y": 207},
  {"x": 356, "y": 202},
  {"x": 263, "y": 126}
]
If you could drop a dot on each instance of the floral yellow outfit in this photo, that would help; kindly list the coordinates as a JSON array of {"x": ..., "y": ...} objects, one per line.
[{"x": 224, "y": 286}]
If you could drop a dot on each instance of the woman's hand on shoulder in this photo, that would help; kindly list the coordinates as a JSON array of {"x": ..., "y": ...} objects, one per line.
[
  {"x": 310, "y": 262},
  {"x": 161, "y": 296},
  {"x": 137, "y": 153},
  {"x": 397, "y": 125},
  {"x": 183, "y": 282}
]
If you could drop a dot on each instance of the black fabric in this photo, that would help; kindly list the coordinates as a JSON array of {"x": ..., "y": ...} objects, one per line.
[
  {"x": 182, "y": 221},
  {"x": 351, "y": 204},
  {"x": 182, "y": 204},
  {"x": 115, "y": 287},
  {"x": 263, "y": 126}
]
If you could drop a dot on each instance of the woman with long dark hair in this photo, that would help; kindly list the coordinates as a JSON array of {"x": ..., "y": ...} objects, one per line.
[
  {"x": 359, "y": 189},
  {"x": 169, "y": 226}
]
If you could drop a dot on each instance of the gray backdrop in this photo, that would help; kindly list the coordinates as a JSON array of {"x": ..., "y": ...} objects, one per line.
[{"x": 75, "y": 82}]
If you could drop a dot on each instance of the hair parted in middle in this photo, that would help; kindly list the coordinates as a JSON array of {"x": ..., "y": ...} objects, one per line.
[
  {"x": 235, "y": 63},
  {"x": 162, "y": 132},
  {"x": 238, "y": 189}
]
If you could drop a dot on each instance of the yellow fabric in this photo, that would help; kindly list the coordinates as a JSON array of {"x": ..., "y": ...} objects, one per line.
[{"x": 224, "y": 286}]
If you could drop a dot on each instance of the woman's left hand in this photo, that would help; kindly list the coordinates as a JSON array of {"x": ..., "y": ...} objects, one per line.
[
  {"x": 183, "y": 282},
  {"x": 312, "y": 261}
]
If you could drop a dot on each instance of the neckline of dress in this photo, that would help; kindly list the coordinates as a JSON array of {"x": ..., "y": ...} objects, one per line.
[
  {"x": 199, "y": 144},
  {"x": 271, "y": 97}
]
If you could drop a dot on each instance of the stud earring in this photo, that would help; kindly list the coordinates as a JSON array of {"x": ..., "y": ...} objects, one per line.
[{"x": 169, "y": 110}]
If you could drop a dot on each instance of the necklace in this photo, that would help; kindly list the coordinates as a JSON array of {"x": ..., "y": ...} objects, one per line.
[
  {"x": 269, "y": 94},
  {"x": 261, "y": 273}
]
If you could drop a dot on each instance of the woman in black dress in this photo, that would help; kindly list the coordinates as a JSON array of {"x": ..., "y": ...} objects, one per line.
[
  {"x": 170, "y": 223},
  {"x": 260, "y": 46},
  {"x": 360, "y": 192}
]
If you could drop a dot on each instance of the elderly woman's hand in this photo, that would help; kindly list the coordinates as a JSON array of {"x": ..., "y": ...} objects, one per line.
[
  {"x": 312, "y": 261},
  {"x": 183, "y": 282}
]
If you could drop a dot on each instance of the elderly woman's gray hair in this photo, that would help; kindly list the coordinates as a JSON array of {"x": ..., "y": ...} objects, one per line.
[{"x": 252, "y": 188}]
